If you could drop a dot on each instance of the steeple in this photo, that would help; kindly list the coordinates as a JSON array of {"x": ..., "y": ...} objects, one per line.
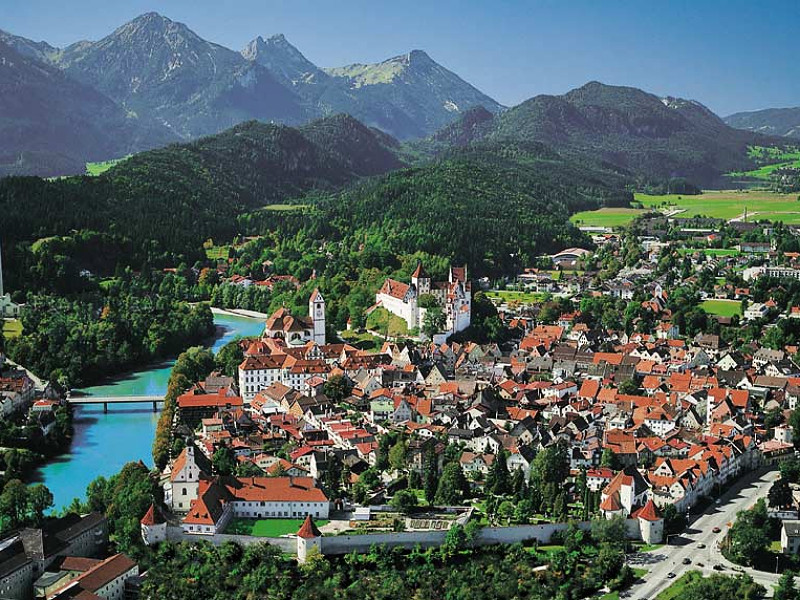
[{"x": 1, "y": 270}]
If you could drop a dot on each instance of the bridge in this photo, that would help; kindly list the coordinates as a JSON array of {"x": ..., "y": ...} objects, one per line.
[{"x": 106, "y": 400}]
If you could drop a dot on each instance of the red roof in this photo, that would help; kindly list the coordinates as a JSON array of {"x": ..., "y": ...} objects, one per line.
[
  {"x": 308, "y": 530},
  {"x": 648, "y": 512}
]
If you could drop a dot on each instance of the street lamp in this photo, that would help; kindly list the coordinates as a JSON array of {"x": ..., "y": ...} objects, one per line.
[{"x": 777, "y": 558}]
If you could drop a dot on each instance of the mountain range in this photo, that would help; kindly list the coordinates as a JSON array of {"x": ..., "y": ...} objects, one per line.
[
  {"x": 164, "y": 83},
  {"x": 640, "y": 134},
  {"x": 773, "y": 121}
]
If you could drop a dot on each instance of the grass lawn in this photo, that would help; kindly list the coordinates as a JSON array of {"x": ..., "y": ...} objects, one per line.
[
  {"x": 760, "y": 204},
  {"x": 12, "y": 328},
  {"x": 512, "y": 296},
  {"x": 217, "y": 252},
  {"x": 380, "y": 318},
  {"x": 606, "y": 217},
  {"x": 710, "y": 251},
  {"x": 267, "y": 527},
  {"x": 677, "y": 589},
  {"x": 722, "y": 308},
  {"x": 97, "y": 168},
  {"x": 363, "y": 341}
]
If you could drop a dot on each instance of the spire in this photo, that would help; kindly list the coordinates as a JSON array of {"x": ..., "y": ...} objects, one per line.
[{"x": 1, "y": 271}]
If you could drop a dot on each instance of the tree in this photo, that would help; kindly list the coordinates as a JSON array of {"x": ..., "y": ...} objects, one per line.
[
  {"x": 629, "y": 386},
  {"x": 609, "y": 531},
  {"x": 434, "y": 321},
  {"x": 786, "y": 589},
  {"x": 39, "y": 500},
  {"x": 498, "y": 479},
  {"x": 451, "y": 485},
  {"x": 780, "y": 494},
  {"x": 224, "y": 461},
  {"x": 397, "y": 456},
  {"x": 404, "y": 501},
  {"x": 337, "y": 388},
  {"x": 609, "y": 460},
  {"x": 748, "y": 538},
  {"x": 14, "y": 503}
]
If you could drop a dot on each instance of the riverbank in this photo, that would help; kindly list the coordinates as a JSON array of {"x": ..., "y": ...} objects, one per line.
[
  {"x": 240, "y": 312},
  {"x": 103, "y": 443}
]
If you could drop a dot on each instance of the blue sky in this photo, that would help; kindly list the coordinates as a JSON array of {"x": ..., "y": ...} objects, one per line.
[{"x": 731, "y": 55}]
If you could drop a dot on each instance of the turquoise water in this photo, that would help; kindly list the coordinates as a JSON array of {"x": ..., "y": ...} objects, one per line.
[{"x": 103, "y": 443}]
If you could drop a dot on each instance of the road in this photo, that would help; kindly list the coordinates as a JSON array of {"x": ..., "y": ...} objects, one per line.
[{"x": 669, "y": 559}]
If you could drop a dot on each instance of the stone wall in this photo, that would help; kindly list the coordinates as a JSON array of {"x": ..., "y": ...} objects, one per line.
[{"x": 286, "y": 544}]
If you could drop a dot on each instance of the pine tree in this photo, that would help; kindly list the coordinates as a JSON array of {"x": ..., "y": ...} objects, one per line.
[{"x": 786, "y": 589}]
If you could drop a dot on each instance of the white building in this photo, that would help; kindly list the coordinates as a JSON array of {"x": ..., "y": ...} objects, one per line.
[{"x": 454, "y": 296}]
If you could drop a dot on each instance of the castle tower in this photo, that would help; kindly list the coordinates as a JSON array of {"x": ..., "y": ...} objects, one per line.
[
  {"x": 316, "y": 310},
  {"x": 420, "y": 280},
  {"x": 309, "y": 540}
]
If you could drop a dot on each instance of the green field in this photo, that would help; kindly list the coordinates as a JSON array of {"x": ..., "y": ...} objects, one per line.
[
  {"x": 760, "y": 204},
  {"x": 606, "y": 217},
  {"x": 12, "y": 328},
  {"x": 512, "y": 296},
  {"x": 677, "y": 589},
  {"x": 722, "y": 308},
  {"x": 96, "y": 168},
  {"x": 267, "y": 527}
]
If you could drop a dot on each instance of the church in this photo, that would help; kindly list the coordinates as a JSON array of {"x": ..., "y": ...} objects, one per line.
[
  {"x": 297, "y": 331},
  {"x": 454, "y": 296}
]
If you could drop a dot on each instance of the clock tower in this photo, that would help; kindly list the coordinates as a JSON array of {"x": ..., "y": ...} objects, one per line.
[{"x": 316, "y": 311}]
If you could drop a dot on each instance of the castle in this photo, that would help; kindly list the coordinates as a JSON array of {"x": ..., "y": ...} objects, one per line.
[{"x": 454, "y": 296}]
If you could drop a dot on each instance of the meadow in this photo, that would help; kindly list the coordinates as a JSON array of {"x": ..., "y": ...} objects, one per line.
[
  {"x": 98, "y": 168},
  {"x": 606, "y": 217},
  {"x": 778, "y": 159},
  {"x": 722, "y": 308}
]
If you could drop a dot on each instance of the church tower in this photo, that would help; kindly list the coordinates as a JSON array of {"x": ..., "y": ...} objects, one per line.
[{"x": 316, "y": 310}]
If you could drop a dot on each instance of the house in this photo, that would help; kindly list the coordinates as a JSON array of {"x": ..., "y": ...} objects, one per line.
[
  {"x": 105, "y": 580},
  {"x": 790, "y": 537}
]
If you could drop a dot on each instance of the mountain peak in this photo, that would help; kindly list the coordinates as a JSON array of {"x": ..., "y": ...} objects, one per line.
[{"x": 282, "y": 59}]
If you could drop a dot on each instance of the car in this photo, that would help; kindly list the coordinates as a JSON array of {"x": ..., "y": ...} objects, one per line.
[
  {"x": 700, "y": 564},
  {"x": 718, "y": 568},
  {"x": 701, "y": 545},
  {"x": 670, "y": 575},
  {"x": 716, "y": 530},
  {"x": 687, "y": 561}
]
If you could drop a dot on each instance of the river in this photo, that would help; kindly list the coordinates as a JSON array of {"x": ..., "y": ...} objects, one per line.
[{"x": 103, "y": 443}]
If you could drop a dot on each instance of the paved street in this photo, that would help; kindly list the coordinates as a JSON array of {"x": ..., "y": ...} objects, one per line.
[{"x": 661, "y": 562}]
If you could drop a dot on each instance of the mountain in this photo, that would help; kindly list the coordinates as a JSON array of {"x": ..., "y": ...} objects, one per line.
[
  {"x": 52, "y": 124},
  {"x": 407, "y": 96},
  {"x": 641, "y": 134},
  {"x": 771, "y": 121},
  {"x": 161, "y": 68},
  {"x": 169, "y": 200},
  {"x": 41, "y": 51},
  {"x": 283, "y": 60}
]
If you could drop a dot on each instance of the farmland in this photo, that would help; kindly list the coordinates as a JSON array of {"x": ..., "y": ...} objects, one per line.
[
  {"x": 778, "y": 159},
  {"x": 606, "y": 217},
  {"x": 729, "y": 205}
]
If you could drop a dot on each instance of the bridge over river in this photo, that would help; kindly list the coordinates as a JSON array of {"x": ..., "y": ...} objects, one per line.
[{"x": 106, "y": 400}]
